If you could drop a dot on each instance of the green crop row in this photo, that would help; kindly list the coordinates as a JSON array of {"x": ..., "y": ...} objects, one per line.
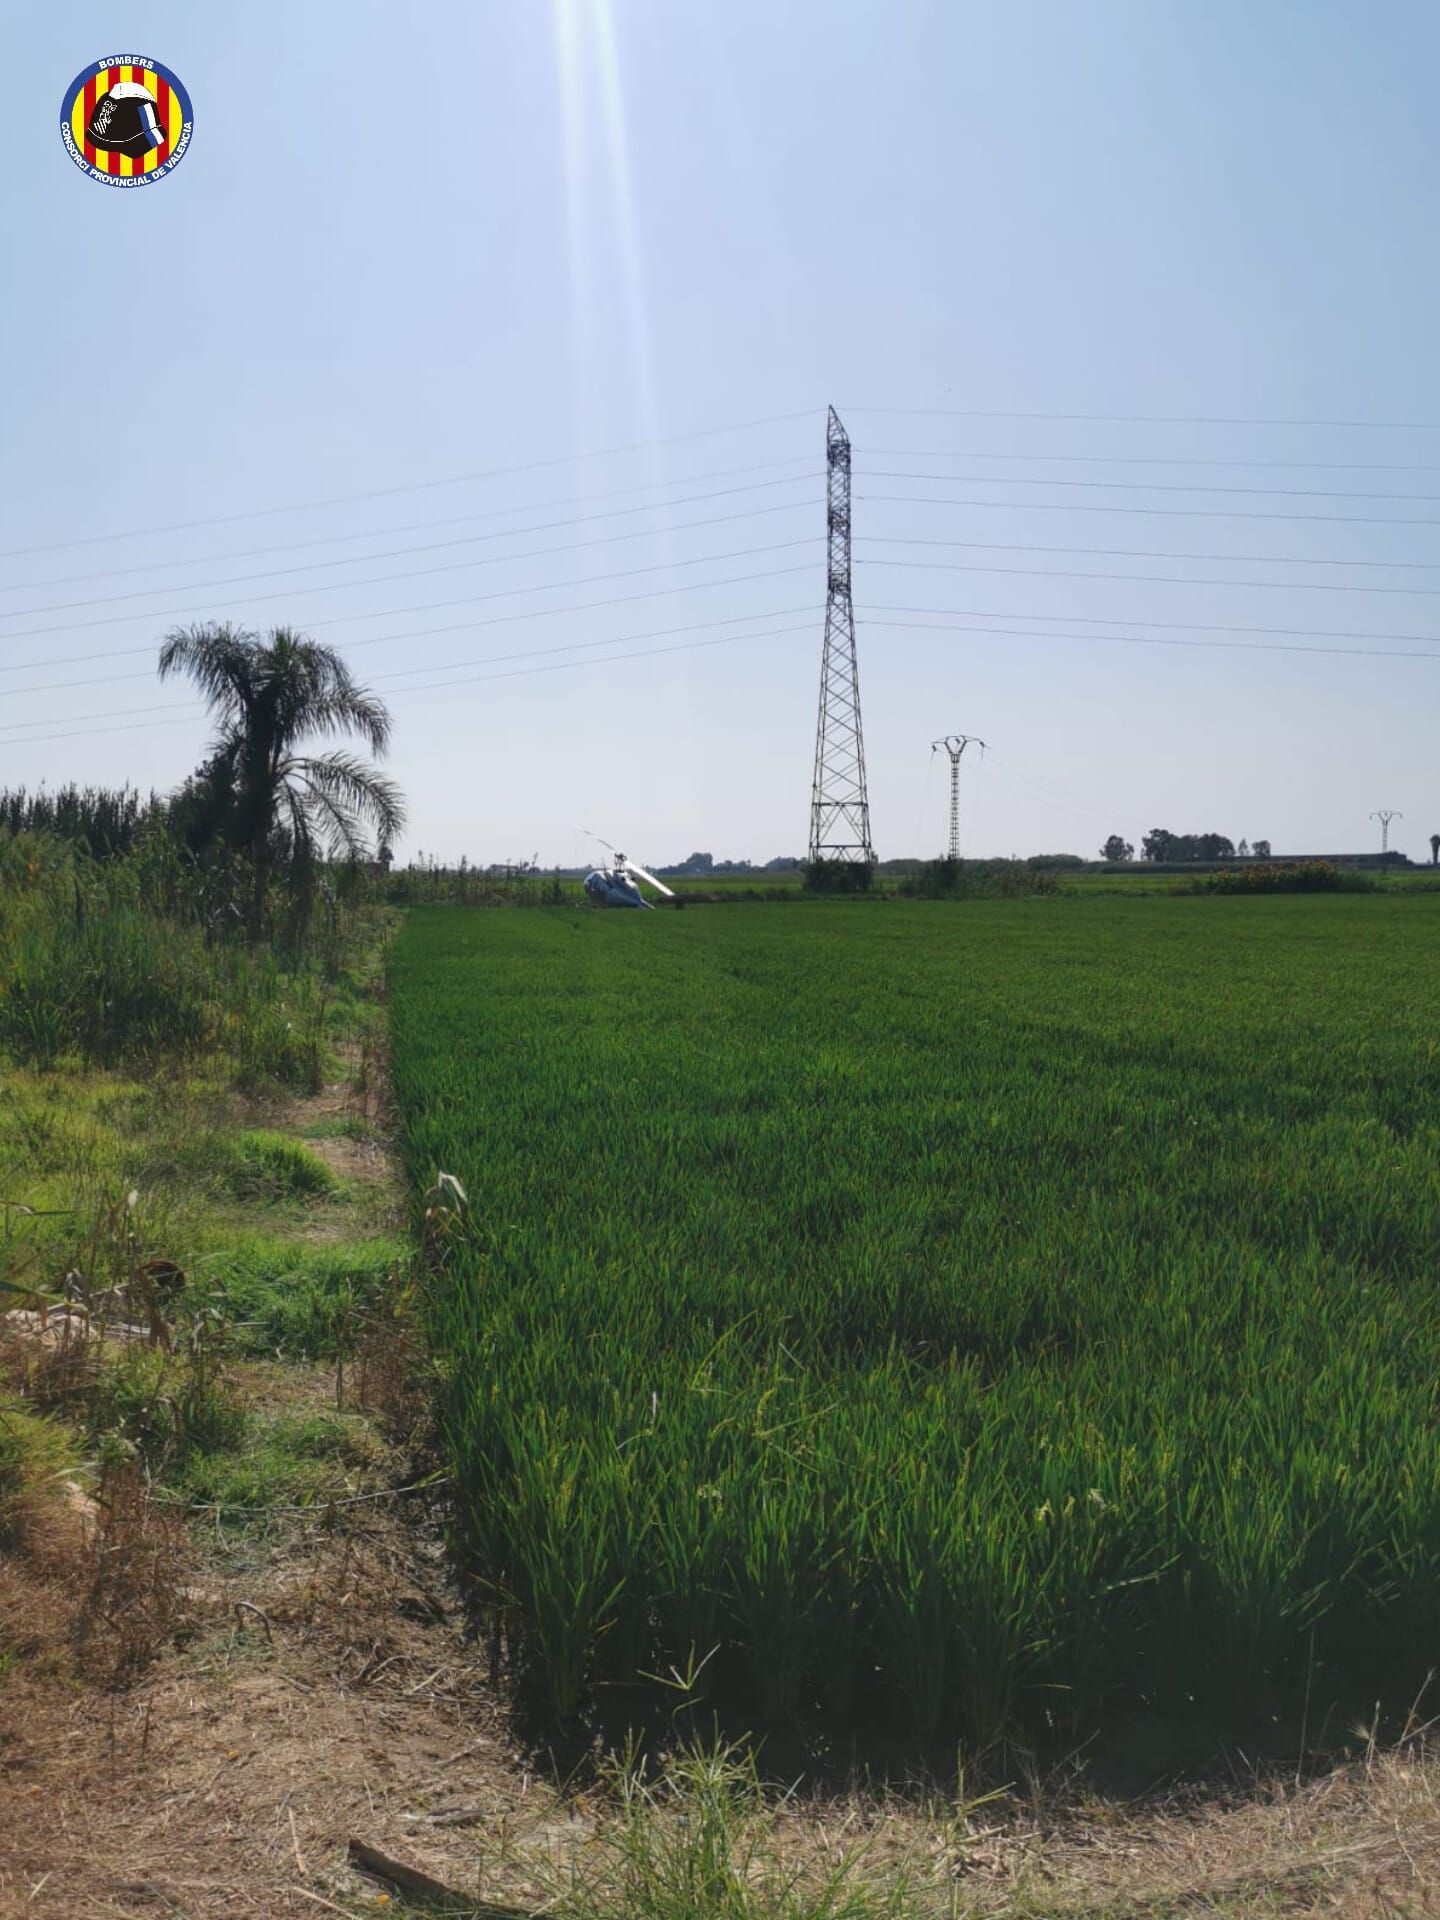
[{"x": 952, "y": 1322}]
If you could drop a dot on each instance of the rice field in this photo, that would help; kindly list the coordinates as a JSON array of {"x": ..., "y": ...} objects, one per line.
[{"x": 920, "y": 1323}]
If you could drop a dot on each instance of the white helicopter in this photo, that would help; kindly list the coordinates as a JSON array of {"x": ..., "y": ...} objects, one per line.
[{"x": 617, "y": 885}]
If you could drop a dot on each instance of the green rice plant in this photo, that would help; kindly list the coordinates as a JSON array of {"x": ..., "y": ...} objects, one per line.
[{"x": 936, "y": 1325}]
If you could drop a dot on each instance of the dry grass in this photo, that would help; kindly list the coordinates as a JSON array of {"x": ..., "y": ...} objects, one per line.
[
  {"x": 130, "y": 1581},
  {"x": 326, "y": 1691}
]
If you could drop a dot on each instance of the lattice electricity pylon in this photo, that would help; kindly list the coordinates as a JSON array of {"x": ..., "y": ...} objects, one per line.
[
  {"x": 955, "y": 745},
  {"x": 839, "y": 807}
]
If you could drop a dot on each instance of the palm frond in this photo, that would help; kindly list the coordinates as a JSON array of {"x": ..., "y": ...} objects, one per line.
[
  {"x": 341, "y": 784},
  {"x": 219, "y": 659},
  {"x": 350, "y": 710},
  {"x": 332, "y": 823},
  {"x": 301, "y": 827}
]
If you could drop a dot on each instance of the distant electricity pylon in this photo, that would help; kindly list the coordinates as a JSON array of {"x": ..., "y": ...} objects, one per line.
[
  {"x": 1385, "y": 815},
  {"x": 955, "y": 745},
  {"x": 839, "y": 808}
]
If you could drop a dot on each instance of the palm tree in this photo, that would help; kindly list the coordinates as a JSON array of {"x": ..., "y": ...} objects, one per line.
[{"x": 266, "y": 696}]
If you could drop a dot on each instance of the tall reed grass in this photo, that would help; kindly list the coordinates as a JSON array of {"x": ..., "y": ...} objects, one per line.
[{"x": 136, "y": 959}]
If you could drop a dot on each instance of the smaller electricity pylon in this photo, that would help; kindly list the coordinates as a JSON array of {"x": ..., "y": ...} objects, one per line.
[
  {"x": 955, "y": 745},
  {"x": 1385, "y": 815}
]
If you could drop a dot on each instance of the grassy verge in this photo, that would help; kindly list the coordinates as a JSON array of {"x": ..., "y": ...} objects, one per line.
[{"x": 185, "y": 1251}]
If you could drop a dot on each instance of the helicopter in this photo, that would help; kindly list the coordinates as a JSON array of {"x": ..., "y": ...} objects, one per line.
[{"x": 617, "y": 885}]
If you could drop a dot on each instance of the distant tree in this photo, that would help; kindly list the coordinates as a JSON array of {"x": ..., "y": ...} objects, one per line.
[
  {"x": 1117, "y": 850},
  {"x": 1159, "y": 844},
  {"x": 1212, "y": 846},
  {"x": 1435, "y": 849},
  {"x": 1243, "y": 850},
  {"x": 1261, "y": 849},
  {"x": 266, "y": 697}
]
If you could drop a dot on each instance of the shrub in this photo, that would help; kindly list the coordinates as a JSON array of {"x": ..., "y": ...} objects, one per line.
[
  {"x": 1297, "y": 876},
  {"x": 840, "y": 876}
]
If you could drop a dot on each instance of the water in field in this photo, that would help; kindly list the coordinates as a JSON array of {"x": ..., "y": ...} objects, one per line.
[{"x": 951, "y": 1319}]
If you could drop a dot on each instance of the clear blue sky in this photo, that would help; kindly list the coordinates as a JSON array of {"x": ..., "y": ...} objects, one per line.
[{"x": 414, "y": 244}]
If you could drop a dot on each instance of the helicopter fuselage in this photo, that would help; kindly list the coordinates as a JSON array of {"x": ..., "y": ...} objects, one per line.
[{"x": 609, "y": 887}]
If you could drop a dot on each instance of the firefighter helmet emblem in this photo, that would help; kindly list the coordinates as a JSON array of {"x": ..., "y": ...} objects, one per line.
[{"x": 126, "y": 121}]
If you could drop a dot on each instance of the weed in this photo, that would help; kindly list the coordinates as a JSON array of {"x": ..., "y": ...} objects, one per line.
[
  {"x": 699, "y": 1844},
  {"x": 271, "y": 1166},
  {"x": 294, "y": 1461},
  {"x": 307, "y": 1301}
]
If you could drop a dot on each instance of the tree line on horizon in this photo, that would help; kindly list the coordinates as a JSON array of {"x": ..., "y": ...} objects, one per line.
[{"x": 1162, "y": 845}]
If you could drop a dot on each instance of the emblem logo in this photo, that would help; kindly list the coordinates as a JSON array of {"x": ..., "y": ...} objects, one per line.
[{"x": 126, "y": 121}]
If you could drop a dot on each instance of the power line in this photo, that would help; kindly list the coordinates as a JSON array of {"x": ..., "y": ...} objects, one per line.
[
  {"x": 448, "y": 520},
  {"x": 417, "y": 486},
  {"x": 1150, "y": 640},
  {"x": 1152, "y": 579},
  {"x": 436, "y": 686},
  {"x": 647, "y": 653},
  {"x": 460, "y": 626},
  {"x": 1010, "y": 773},
  {"x": 1174, "y": 626},
  {"x": 613, "y": 640},
  {"x": 711, "y": 520},
  {"x": 1160, "y": 486},
  {"x": 683, "y": 526},
  {"x": 415, "y": 573},
  {"x": 1152, "y": 553},
  {"x": 508, "y": 619},
  {"x": 441, "y": 546},
  {"x": 559, "y": 666},
  {"x": 908, "y": 625},
  {"x": 444, "y": 666},
  {"x": 1150, "y": 419},
  {"x": 717, "y": 473},
  {"x": 1151, "y": 460},
  {"x": 1165, "y": 513}
]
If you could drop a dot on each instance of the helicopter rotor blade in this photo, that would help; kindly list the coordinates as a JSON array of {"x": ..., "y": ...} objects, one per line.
[{"x": 632, "y": 866}]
